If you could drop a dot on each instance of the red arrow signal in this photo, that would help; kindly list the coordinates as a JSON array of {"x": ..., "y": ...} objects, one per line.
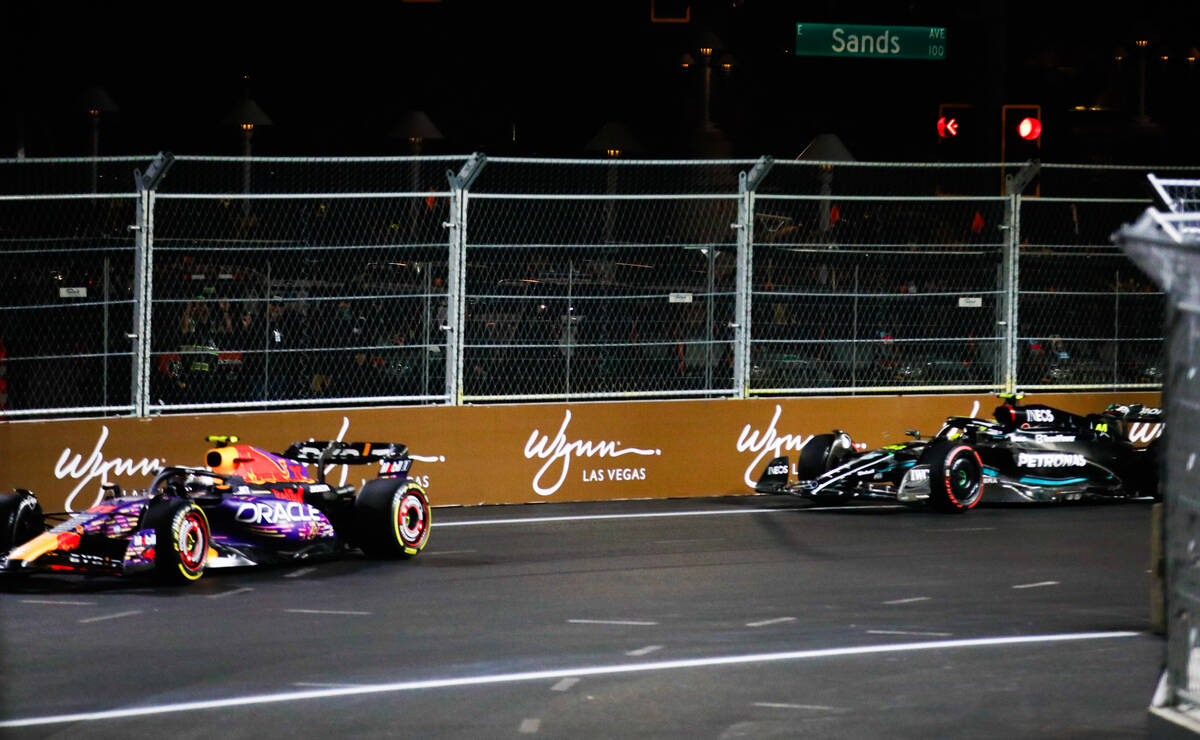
[{"x": 947, "y": 127}]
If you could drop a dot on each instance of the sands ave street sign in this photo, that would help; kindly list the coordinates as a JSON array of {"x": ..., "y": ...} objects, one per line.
[{"x": 874, "y": 42}]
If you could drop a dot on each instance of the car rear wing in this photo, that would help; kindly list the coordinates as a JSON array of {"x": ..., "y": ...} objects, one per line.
[
  {"x": 336, "y": 452},
  {"x": 392, "y": 457}
]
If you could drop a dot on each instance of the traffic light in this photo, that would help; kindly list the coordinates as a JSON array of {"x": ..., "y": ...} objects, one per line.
[
  {"x": 957, "y": 133},
  {"x": 1021, "y": 138},
  {"x": 1022, "y": 126},
  {"x": 959, "y": 141}
]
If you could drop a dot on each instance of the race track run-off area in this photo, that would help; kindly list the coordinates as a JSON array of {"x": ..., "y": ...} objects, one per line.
[{"x": 738, "y": 617}]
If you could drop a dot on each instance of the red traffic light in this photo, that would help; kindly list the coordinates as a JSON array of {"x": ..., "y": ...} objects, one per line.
[
  {"x": 947, "y": 127},
  {"x": 1029, "y": 128}
]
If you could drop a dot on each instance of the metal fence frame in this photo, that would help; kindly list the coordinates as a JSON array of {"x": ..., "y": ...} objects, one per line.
[
  {"x": 1165, "y": 241},
  {"x": 760, "y": 182}
]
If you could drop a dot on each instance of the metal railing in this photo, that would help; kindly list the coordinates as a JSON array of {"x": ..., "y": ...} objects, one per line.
[
  {"x": 1165, "y": 242},
  {"x": 247, "y": 283}
]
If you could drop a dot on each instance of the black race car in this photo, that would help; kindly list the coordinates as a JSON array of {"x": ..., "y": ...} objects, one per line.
[
  {"x": 1025, "y": 453},
  {"x": 247, "y": 507}
]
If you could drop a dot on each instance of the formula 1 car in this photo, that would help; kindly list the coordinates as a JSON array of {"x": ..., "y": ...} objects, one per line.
[
  {"x": 1026, "y": 453},
  {"x": 247, "y": 507}
]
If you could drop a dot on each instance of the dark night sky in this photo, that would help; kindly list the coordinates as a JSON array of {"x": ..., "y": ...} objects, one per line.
[{"x": 336, "y": 78}]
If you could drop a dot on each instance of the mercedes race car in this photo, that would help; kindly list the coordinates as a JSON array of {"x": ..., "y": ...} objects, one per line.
[
  {"x": 247, "y": 507},
  {"x": 1025, "y": 453}
]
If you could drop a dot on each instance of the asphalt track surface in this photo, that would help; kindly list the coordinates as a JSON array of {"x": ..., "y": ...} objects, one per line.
[{"x": 739, "y": 617}]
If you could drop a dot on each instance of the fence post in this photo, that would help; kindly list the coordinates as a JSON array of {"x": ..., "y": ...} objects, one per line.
[
  {"x": 1014, "y": 185},
  {"x": 748, "y": 183},
  {"x": 1010, "y": 291},
  {"x": 143, "y": 278},
  {"x": 460, "y": 184}
]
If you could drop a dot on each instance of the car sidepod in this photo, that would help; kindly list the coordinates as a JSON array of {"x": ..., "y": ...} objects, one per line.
[{"x": 254, "y": 527}]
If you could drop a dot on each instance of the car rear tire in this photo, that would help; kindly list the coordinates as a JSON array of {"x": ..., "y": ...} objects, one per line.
[
  {"x": 183, "y": 539},
  {"x": 955, "y": 476},
  {"x": 21, "y": 519},
  {"x": 392, "y": 519}
]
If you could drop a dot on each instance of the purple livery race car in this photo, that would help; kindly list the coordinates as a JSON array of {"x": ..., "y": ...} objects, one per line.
[{"x": 247, "y": 507}]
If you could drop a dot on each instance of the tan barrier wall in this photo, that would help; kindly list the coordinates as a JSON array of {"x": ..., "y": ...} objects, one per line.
[{"x": 470, "y": 455}]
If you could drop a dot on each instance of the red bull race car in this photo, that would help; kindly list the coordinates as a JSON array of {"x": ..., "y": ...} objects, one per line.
[{"x": 246, "y": 507}]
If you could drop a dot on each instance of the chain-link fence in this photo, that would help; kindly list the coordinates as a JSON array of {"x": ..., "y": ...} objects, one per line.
[
  {"x": 232, "y": 283},
  {"x": 67, "y": 250},
  {"x": 866, "y": 280}
]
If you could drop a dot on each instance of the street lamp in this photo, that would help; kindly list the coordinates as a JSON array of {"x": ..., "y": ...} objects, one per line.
[
  {"x": 1142, "y": 43},
  {"x": 708, "y": 43},
  {"x": 96, "y": 102},
  {"x": 707, "y": 46},
  {"x": 246, "y": 115},
  {"x": 615, "y": 140},
  {"x": 416, "y": 127}
]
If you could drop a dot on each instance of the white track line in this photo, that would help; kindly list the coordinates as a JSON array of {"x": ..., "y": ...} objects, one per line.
[
  {"x": 565, "y": 684},
  {"x": 573, "y": 672},
  {"x": 328, "y": 611},
  {"x": 912, "y": 600},
  {"x": 58, "y": 603},
  {"x": 765, "y": 622},
  {"x": 649, "y": 515},
  {"x": 644, "y": 651},
  {"x": 118, "y": 615},
  {"x": 529, "y": 726},
  {"x": 1039, "y": 584},
  {"x": 634, "y": 622},
  {"x": 778, "y": 705},
  {"x": 234, "y": 592}
]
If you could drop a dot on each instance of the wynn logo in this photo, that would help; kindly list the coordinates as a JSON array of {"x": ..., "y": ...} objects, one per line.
[
  {"x": 768, "y": 443},
  {"x": 96, "y": 467},
  {"x": 560, "y": 450},
  {"x": 1144, "y": 432}
]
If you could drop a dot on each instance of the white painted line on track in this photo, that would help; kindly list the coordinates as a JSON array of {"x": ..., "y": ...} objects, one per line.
[
  {"x": 328, "y": 611},
  {"x": 299, "y": 573},
  {"x": 912, "y": 600},
  {"x": 648, "y": 515},
  {"x": 912, "y": 634},
  {"x": 1039, "y": 584},
  {"x": 765, "y": 622},
  {"x": 574, "y": 672},
  {"x": 47, "y": 602},
  {"x": 565, "y": 684},
  {"x": 777, "y": 705},
  {"x": 644, "y": 651},
  {"x": 234, "y": 592},
  {"x": 118, "y": 615},
  {"x": 634, "y": 622},
  {"x": 529, "y": 726},
  {"x": 427, "y": 553},
  {"x": 313, "y": 685}
]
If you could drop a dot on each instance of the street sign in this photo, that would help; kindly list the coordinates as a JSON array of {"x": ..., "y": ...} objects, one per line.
[{"x": 874, "y": 42}]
